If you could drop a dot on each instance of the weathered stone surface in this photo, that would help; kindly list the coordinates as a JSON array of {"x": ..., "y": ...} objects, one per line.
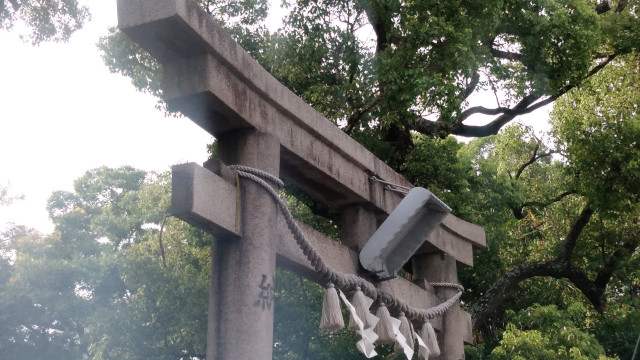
[
  {"x": 195, "y": 189},
  {"x": 455, "y": 237},
  {"x": 243, "y": 270},
  {"x": 473, "y": 233},
  {"x": 340, "y": 258},
  {"x": 337, "y": 256},
  {"x": 467, "y": 328},
  {"x": 455, "y": 327},
  {"x": 357, "y": 224},
  {"x": 203, "y": 199}
]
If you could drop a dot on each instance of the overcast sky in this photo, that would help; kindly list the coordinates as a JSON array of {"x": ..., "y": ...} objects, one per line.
[{"x": 63, "y": 113}]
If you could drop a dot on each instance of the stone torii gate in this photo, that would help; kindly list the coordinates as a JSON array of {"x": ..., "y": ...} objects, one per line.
[{"x": 260, "y": 123}]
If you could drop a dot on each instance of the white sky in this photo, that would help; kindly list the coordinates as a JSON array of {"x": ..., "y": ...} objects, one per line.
[{"x": 62, "y": 113}]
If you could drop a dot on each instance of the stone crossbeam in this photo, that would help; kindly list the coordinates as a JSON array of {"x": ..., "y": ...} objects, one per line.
[{"x": 194, "y": 186}]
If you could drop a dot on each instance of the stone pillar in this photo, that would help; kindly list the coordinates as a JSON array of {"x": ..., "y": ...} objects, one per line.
[
  {"x": 357, "y": 224},
  {"x": 241, "y": 295},
  {"x": 442, "y": 268}
]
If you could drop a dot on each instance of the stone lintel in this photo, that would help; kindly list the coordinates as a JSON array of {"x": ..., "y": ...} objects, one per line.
[
  {"x": 441, "y": 240},
  {"x": 196, "y": 190},
  {"x": 204, "y": 200},
  {"x": 455, "y": 237},
  {"x": 473, "y": 233},
  {"x": 211, "y": 79}
]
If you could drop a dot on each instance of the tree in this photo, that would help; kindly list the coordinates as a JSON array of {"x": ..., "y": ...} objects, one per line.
[
  {"x": 6, "y": 198},
  {"x": 565, "y": 211},
  {"x": 597, "y": 183},
  {"x": 117, "y": 278},
  {"x": 53, "y": 20}
]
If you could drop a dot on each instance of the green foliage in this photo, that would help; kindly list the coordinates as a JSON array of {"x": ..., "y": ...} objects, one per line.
[
  {"x": 242, "y": 18},
  {"x": 123, "y": 56},
  {"x": 379, "y": 69},
  {"x": 551, "y": 34},
  {"x": 333, "y": 67},
  {"x": 52, "y": 20},
  {"x": 597, "y": 128},
  {"x": 591, "y": 159},
  {"x": 546, "y": 332},
  {"x": 40, "y": 313},
  {"x": 434, "y": 164},
  {"x": 618, "y": 331},
  {"x": 298, "y": 203},
  {"x": 116, "y": 280}
]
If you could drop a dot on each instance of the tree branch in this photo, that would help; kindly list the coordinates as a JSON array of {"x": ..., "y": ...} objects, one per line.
[
  {"x": 475, "y": 79},
  {"x": 622, "y": 5},
  {"x": 459, "y": 128},
  {"x": 15, "y": 4},
  {"x": 505, "y": 54},
  {"x": 549, "y": 202},
  {"x": 574, "y": 233},
  {"x": 603, "y": 6},
  {"x": 355, "y": 117},
  {"x": 527, "y": 105},
  {"x": 613, "y": 263},
  {"x": 381, "y": 26},
  {"x": 534, "y": 157},
  {"x": 504, "y": 287}
]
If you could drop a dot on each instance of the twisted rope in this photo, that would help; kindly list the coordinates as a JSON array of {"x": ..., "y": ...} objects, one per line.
[
  {"x": 258, "y": 172},
  {"x": 345, "y": 282}
]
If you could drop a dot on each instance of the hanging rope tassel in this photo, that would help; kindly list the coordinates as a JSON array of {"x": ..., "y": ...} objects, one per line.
[
  {"x": 384, "y": 327},
  {"x": 405, "y": 330},
  {"x": 361, "y": 305},
  {"x": 423, "y": 353},
  {"x": 428, "y": 335},
  {"x": 331, "y": 313},
  {"x": 423, "y": 350}
]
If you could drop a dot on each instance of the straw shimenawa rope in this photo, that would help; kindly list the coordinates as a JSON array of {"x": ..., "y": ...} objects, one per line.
[{"x": 345, "y": 282}]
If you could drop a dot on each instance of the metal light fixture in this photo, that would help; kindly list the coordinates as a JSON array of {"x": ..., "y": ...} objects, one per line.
[{"x": 402, "y": 233}]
